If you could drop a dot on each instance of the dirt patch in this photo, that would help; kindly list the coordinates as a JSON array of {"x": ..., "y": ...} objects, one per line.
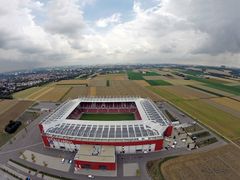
[{"x": 221, "y": 163}]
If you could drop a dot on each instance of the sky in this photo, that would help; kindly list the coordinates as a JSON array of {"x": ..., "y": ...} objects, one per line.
[{"x": 43, "y": 33}]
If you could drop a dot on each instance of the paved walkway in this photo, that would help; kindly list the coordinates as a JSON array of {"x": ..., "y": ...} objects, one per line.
[
  {"x": 130, "y": 169},
  {"x": 44, "y": 160}
]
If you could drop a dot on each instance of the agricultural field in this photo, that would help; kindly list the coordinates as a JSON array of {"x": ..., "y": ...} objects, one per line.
[
  {"x": 25, "y": 93},
  {"x": 221, "y": 163},
  {"x": 132, "y": 75},
  {"x": 158, "y": 83},
  {"x": 186, "y": 92},
  {"x": 141, "y": 83},
  {"x": 221, "y": 80},
  {"x": 217, "y": 92},
  {"x": 135, "y": 75},
  {"x": 216, "y": 85},
  {"x": 236, "y": 98},
  {"x": 13, "y": 112},
  {"x": 226, "y": 104},
  {"x": 180, "y": 81},
  {"x": 6, "y": 104},
  {"x": 224, "y": 123},
  {"x": 73, "y": 82},
  {"x": 152, "y": 77},
  {"x": 150, "y": 73},
  {"x": 107, "y": 117},
  {"x": 39, "y": 93},
  {"x": 193, "y": 73},
  {"x": 237, "y": 141},
  {"x": 112, "y": 77},
  {"x": 54, "y": 94},
  {"x": 96, "y": 83},
  {"x": 125, "y": 88},
  {"x": 130, "y": 88},
  {"x": 162, "y": 71},
  {"x": 171, "y": 78},
  {"x": 76, "y": 92},
  {"x": 92, "y": 91}
]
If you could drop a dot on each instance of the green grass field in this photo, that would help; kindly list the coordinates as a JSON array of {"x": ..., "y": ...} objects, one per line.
[
  {"x": 223, "y": 122},
  {"x": 158, "y": 83},
  {"x": 107, "y": 117},
  {"x": 134, "y": 75}
]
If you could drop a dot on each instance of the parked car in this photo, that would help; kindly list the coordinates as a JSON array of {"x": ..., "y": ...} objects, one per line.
[
  {"x": 12, "y": 126},
  {"x": 91, "y": 176}
]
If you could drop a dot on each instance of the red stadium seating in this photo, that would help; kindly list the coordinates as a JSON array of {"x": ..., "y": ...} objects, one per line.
[{"x": 105, "y": 107}]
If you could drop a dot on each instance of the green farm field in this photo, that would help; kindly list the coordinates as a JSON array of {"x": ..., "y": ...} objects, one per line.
[
  {"x": 158, "y": 83},
  {"x": 107, "y": 117},
  {"x": 217, "y": 85},
  {"x": 134, "y": 75}
]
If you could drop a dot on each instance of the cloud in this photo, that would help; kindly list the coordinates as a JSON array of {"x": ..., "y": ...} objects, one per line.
[
  {"x": 64, "y": 17},
  {"x": 113, "y": 19},
  {"x": 175, "y": 32},
  {"x": 218, "y": 20},
  {"x": 41, "y": 33},
  {"x": 152, "y": 33}
]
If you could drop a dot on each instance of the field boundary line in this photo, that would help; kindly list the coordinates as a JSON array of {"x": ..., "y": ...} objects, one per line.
[{"x": 65, "y": 94}]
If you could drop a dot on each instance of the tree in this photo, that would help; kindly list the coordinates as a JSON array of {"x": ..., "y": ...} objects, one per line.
[{"x": 45, "y": 164}]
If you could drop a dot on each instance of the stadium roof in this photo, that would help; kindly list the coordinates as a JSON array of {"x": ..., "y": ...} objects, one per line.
[{"x": 152, "y": 125}]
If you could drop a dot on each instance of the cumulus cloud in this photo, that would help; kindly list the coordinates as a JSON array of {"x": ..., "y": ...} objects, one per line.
[
  {"x": 64, "y": 17},
  {"x": 216, "y": 19},
  {"x": 23, "y": 41},
  {"x": 170, "y": 31},
  {"x": 113, "y": 19}
]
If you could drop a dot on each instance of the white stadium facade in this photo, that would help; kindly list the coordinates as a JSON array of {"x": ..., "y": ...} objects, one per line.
[{"x": 97, "y": 141}]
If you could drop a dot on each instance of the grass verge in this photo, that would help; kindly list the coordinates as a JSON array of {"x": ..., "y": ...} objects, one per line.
[{"x": 154, "y": 168}]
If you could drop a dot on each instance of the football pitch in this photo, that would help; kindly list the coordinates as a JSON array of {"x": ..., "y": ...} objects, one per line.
[{"x": 107, "y": 116}]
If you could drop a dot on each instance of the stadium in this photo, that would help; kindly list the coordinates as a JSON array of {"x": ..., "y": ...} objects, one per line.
[{"x": 98, "y": 128}]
